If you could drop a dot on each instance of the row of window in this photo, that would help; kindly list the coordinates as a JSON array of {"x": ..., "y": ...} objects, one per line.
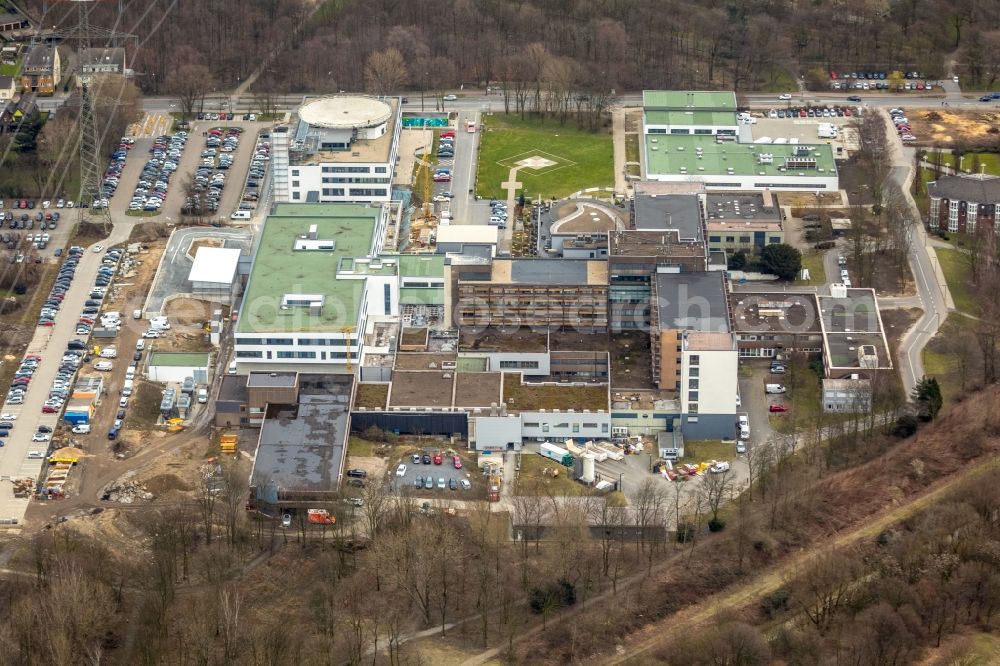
[
  {"x": 575, "y": 426},
  {"x": 331, "y": 179},
  {"x": 514, "y": 365},
  {"x": 323, "y": 356},
  {"x": 773, "y": 240},
  {"x": 348, "y": 169},
  {"x": 302, "y": 342}
]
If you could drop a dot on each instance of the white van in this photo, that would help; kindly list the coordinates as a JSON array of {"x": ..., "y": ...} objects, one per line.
[
  {"x": 81, "y": 429},
  {"x": 774, "y": 388},
  {"x": 136, "y": 314},
  {"x": 104, "y": 366},
  {"x": 130, "y": 372},
  {"x": 232, "y": 368},
  {"x": 240, "y": 215},
  {"x": 109, "y": 352},
  {"x": 160, "y": 323},
  {"x": 127, "y": 387},
  {"x": 113, "y": 316},
  {"x": 202, "y": 395}
]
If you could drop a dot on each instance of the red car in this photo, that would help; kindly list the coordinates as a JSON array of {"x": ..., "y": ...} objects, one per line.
[
  {"x": 32, "y": 357},
  {"x": 448, "y": 134},
  {"x": 457, "y": 462},
  {"x": 47, "y": 323},
  {"x": 777, "y": 408},
  {"x": 49, "y": 409},
  {"x": 437, "y": 458}
]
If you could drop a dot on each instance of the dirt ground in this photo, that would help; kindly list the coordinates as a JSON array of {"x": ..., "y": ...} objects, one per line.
[
  {"x": 809, "y": 199},
  {"x": 943, "y": 127},
  {"x": 203, "y": 242},
  {"x": 189, "y": 312},
  {"x": 896, "y": 322}
]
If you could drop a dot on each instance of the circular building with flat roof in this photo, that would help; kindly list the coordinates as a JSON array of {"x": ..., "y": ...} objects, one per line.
[{"x": 365, "y": 116}]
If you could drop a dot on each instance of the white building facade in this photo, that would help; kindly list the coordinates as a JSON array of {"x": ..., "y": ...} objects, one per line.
[
  {"x": 343, "y": 149},
  {"x": 709, "y": 384}
]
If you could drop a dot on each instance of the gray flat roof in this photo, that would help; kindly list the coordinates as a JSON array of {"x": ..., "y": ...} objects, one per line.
[
  {"x": 272, "y": 379},
  {"x": 692, "y": 301},
  {"x": 849, "y": 324},
  {"x": 548, "y": 271},
  {"x": 232, "y": 389},
  {"x": 741, "y": 206},
  {"x": 858, "y": 313},
  {"x": 301, "y": 448},
  {"x": 658, "y": 212}
]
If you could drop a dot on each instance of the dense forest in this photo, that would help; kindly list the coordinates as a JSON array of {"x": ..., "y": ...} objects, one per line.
[{"x": 319, "y": 45}]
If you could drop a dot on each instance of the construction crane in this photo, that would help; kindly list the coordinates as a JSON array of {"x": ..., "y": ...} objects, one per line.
[
  {"x": 347, "y": 331},
  {"x": 428, "y": 187}
]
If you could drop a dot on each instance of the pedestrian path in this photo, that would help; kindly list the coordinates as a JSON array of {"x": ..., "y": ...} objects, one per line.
[{"x": 152, "y": 125}]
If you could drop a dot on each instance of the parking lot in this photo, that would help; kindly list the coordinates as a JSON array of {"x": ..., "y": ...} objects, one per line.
[
  {"x": 446, "y": 470},
  {"x": 236, "y": 174},
  {"x": 26, "y": 238}
]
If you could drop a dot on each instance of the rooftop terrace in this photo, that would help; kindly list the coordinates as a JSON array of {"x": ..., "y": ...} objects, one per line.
[
  {"x": 532, "y": 397},
  {"x": 778, "y": 312},
  {"x": 696, "y": 155},
  {"x": 279, "y": 269}
]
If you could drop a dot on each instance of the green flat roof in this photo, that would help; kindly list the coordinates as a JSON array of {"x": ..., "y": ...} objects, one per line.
[
  {"x": 695, "y": 117},
  {"x": 684, "y": 99},
  {"x": 421, "y": 265},
  {"x": 278, "y": 269},
  {"x": 717, "y": 157},
  {"x": 179, "y": 359},
  {"x": 421, "y": 295}
]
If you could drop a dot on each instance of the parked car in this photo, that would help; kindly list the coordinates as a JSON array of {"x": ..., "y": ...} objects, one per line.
[{"x": 774, "y": 407}]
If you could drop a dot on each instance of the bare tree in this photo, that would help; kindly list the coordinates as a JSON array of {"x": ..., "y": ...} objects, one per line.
[
  {"x": 377, "y": 499},
  {"x": 190, "y": 83},
  {"x": 385, "y": 72},
  {"x": 715, "y": 488}
]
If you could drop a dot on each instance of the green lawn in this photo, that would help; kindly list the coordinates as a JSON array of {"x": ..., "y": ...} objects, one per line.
[
  {"x": 581, "y": 159},
  {"x": 360, "y": 448},
  {"x": 707, "y": 450},
  {"x": 11, "y": 70},
  {"x": 939, "y": 357},
  {"x": 989, "y": 160},
  {"x": 531, "y": 479},
  {"x": 956, "y": 273},
  {"x": 813, "y": 260}
]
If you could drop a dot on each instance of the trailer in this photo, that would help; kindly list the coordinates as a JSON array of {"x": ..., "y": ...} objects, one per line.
[
  {"x": 613, "y": 452},
  {"x": 557, "y": 453}
]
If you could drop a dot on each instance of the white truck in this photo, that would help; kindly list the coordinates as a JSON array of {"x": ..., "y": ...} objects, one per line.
[{"x": 826, "y": 131}]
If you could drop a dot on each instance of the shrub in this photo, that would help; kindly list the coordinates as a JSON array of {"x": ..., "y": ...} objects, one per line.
[
  {"x": 905, "y": 426},
  {"x": 716, "y": 525}
]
